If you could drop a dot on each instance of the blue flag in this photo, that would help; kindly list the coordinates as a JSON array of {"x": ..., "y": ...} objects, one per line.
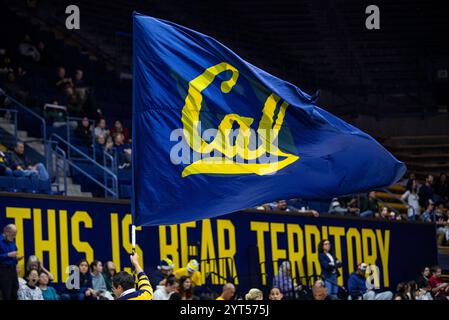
[{"x": 213, "y": 134}]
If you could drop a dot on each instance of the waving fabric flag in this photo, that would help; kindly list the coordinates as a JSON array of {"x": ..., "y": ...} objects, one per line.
[{"x": 213, "y": 134}]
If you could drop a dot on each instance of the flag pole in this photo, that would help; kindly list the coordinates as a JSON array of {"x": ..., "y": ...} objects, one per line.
[{"x": 133, "y": 238}]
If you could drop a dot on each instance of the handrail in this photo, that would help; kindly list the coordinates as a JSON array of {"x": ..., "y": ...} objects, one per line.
[
  {"x": 68, "y": 118},
  {"x": 64, "y": 168},
  {"x": 15, "y": 119},
  {"x": 113, "y": 191},
  {"x": 400, "y": 200},
  {"x": 37, "y": 116}
]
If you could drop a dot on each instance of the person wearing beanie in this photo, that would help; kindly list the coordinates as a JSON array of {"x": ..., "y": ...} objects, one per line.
[
  {"x": 164, "y": 269},
  {"x": 254, "y": 294},
  {"x": 357, "y": 286},
  {"x": 191, "y": 270}
]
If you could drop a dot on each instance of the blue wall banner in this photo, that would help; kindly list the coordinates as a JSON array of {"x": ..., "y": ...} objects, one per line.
[{"x": 61, "y": 231}]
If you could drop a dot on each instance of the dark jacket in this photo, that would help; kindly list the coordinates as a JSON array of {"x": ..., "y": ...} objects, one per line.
[
  {"x": 326, "y": 269},
  {"x": 17, "y": 161},
  {"x": 356, "y": 285}
]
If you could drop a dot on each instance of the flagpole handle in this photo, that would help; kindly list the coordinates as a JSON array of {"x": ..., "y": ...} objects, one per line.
[
  {"x": 133, "y": 238},
  {"x": 133, "y": 243}
]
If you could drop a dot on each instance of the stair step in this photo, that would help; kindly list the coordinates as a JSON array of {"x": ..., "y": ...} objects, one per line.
[
  {"x": 398, "y": 206},
  {"x": 397, "y": 189},
  {"x": 386, "y": 196}
]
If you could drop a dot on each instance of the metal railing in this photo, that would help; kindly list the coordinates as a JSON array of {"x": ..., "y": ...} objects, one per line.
[
  {"x": 108, "y": 175},
  {"x": 401, "y": 201},
  {"x": 19, "y": 107},
  {"x": 58, "y": 166},
  {"x": 14, "y": 112},
  {"x": 69, "y": 132}
]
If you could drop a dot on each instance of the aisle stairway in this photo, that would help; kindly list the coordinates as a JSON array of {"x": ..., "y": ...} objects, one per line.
[
  {"x": 37, "y": 147},
  {"x": 391, "y": 195}
]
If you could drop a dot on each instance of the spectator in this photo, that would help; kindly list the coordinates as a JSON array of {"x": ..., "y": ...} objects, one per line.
[
  {"x": 62, "y": 82},
  {"x": 191, "y": 271},
  {"x": 369, "y": 205},
  {"x": 357, "y": 286},
  {"x": 165, "y": 291},
  {"x": 21, "y": 280},
  {"x": 184, "y": 290},
  {"x": 13, "y": 88},
  {"x": 385, "y": 214},
  {"x": 412, "y": 198},
  {"x": 78, "y": 80},
  {"x": 122, "y": 151},
  {"x": 284, "y": 281},
  {"x": 426, "y": 191},
  {"x": 410, "y": 180},
  {"x": 429, "y": 214},
  {"x": 22, "y": 167},
  {"x": 442, "y": 188},
  {"x": 227, "y": 292},
  {"x": 442, "y": 224},
  {"x": 98, "y": 283},
  {"x": 108, "y": 273},
  {"x": 123, "y": 284},
  {"x": 319, "y": 291},
  {"x": 338, "y": 209},
  {"x": 84, "y": 132},
  {"x": 164, "y": 269},
  {"x": 329, "y": 267},
  {"x": 275, "y": 294},
  {"x": 30, "y": 291},
  {"x": 419, "y": 293},
  {"x": 48, "y": 293},
  {"x": 281, "y": 205},
  {"x": 440, "y": 289},
  {"x": 100, "y": 129},
  {"x": 8, "y": 261},
  {"x": 423, "y": 279},
  {"x": 254, "y": 294},
  {"x": 119, "y": 128},
  {"x": 401, "y": 291},
  {"x": 27, "y": 49},
  {"x": 101, "y": 145},
  {"x": 84, "y": 290},
  {"x": 34, "y": 263},
  {"x": 5, "y": 170}
]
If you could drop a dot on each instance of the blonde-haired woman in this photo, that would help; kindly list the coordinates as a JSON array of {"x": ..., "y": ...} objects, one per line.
[{"x": 254, "y": 294}]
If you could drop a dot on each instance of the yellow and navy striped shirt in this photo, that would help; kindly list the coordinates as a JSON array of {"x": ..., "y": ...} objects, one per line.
[{"x": 144, "y": 290}]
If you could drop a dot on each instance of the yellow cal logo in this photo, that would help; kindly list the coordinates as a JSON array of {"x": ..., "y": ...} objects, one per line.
[{"x": 267, "y": 132}]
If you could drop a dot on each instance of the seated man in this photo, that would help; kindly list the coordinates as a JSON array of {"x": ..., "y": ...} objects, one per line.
[
  {"x": 357, "y": 286},
  {"x": 440, "y": 289},
  {"x": 21, "y": 166},
  {"x": 124, "y": 287}
]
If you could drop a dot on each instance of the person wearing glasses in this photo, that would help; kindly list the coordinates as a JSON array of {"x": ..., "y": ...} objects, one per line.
[{"x": 329, "y": 267}]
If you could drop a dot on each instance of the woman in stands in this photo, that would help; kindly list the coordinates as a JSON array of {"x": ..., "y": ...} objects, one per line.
[
  {"x": 329, "y": 267},
  {"x": 184, "y": 291},
  {"x": 412, "y": 198},
  {"x": 34, "y": 263},
  {"x": 84, "y": 290}
]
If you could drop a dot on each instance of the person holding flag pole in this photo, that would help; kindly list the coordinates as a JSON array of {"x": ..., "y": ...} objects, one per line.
[{"x": 123, "y": 284}]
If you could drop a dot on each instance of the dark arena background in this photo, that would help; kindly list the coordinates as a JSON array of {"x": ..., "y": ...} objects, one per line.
[{"x": 66, "y": 143}]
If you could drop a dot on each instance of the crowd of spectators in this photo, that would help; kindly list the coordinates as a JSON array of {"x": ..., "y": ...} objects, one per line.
[
  {"x": 15, "y": 163},
  {"x": 427, "y": 202},
  {"x": 98, "y": 282}
]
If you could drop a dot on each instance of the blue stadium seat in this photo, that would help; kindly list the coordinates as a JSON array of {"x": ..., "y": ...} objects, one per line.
[
  {"x": 25, "y": 185},
  {"x": 7, "y": 184}
]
